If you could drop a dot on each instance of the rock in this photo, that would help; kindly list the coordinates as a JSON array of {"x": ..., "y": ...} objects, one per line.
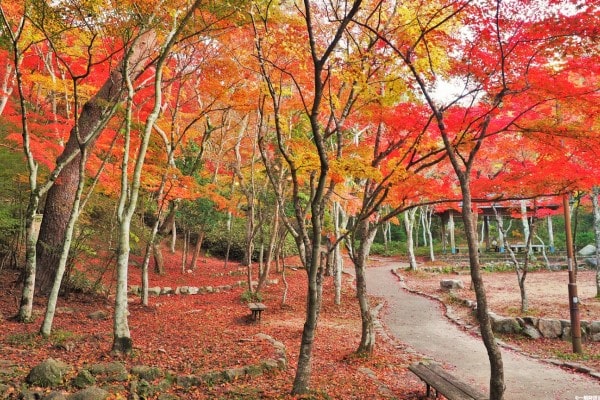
[
  {"x": 84, "y": 379},
  {"x": 167, "y": 290},
  {"x": 531, "y": 332},
  {"x": 505, "y": 325},
  {"x": 91, "y": 393},
  {"x": 55, "y": 396},
  {"x": 533, "y": 321},
  {"x": 550, "y": 328},
  {"x": 591, "y": 262},
  {"x": 587, "y": 251},
  {"x": 594, "y": 327},
  {"x": 168, "y": 396},
  {"x": 147, "y": 373},
  {"x": 142, "y": 388},
  {"x": 233, "y": 374},
  {"x": 135, "y": 289},
  {"x": 5, "y": 391},
  {"x": 109, "y": 372},
  {"x": 183, "y": 290},
  {"x": 450, "y": 284},
  {"x": 154, "y": 291},
  {"x": 99, "y": 315},
  {"x": 188, "y": 381},
  {"x": 49, "y": 373}
]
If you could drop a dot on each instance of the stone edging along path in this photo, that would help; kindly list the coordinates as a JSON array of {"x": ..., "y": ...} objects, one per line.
[
  {"x": 528, "y": 326},
  {"x": 192, "y": 290},
  {"x": 98, "y": 381}
]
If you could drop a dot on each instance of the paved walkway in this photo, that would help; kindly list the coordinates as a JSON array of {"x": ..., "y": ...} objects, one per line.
[{"x": 420, "y": 323}]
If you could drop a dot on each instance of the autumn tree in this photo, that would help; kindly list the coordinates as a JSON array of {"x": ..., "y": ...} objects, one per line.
[
  {"x": 498, "y": 59},
  {"x": 315, "y": 86},
  {"x": 61, "y": 196}
]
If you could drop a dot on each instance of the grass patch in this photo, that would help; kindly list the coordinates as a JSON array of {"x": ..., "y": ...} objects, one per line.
[{"x": 34, "y": 340}]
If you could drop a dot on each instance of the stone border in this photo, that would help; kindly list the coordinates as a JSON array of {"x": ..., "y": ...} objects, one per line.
[
  {"x": 518, "y": 325},
  {"x": 191, "y": 290},
  {"x": 137, "y": 381}
]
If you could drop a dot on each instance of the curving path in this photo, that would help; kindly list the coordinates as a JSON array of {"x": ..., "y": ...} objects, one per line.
[{"x": 419, "y": 322}]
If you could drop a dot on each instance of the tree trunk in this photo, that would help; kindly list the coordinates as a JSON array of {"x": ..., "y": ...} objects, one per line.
[
  {"x": 429, "y": 218},
  {"x": 494, "y": 354},
  {"x": 159, "y": 261},
  {"x": 313, "y": 308},
  {"x": 550, "y": 234},
  {"x": 122, "y": 343},
  {"x": 451, "y": 231},
  {"x": 596, "y": 206},
  {"x": 339, "y": 222},
  {"x": 199, "y": 240},
  {"x": 26, "y": 303},
  {"x": 184, "y": 253},
  {"x": 365, "y": 235},
  {"x": 409, "y": 223},
  {"x": 46, "y": 327},
  {"x": 61, "y": 195},
  {"x": 173, "y": 237}
]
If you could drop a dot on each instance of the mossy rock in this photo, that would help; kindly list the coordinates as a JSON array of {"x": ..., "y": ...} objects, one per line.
[
  {"x": 109, "y": 372},
  {"x": 91, "y": 393},
  {"x": 50, "y": 373},
  {"x": 147, "y": 373},
  {"x": 84, "y": 379}
]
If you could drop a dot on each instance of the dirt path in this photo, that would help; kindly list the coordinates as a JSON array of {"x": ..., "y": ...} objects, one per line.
[{"x": 419, "y": 322}]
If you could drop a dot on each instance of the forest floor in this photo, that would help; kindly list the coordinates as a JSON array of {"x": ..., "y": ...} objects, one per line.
[{"x": 193, "y": 334}]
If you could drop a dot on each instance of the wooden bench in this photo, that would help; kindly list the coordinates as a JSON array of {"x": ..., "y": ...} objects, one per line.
[
  {"x": 445, "y": 384},
  {"x": 257, "y": 309}
]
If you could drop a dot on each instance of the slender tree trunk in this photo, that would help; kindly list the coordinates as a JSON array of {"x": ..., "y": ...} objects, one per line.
[
  {"x": 159, "y": 261},
  {"x": 409, "y": 223},
  {"x": 173, "y": 237},
  {"x": 46, "y": 327},
  {"x": 550, "y": 234},
  {"x": 520, "y": 271},
  {"x": 228, "y": 249},
  {"x": 26, "y": 303},
  {"x": 271, "y": 250},
  {"x": 199, "y": 240},
  {"x": 494, "y": 354},
  {"x": 313, "y": 308},
  {"x": 596, "y": 207},
  {"x": 451, "y": 231},
  {"x": 186, "y": 246},
  {"x": 429, "y": 218},
  {"x": 365, "y": 235},
  {"x": 338, "y": 262}
]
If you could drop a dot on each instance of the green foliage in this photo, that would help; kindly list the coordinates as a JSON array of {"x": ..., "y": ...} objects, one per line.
[
  {"x": 33, "y": 340},
  {"x": 251, "y": 297},
  {"x": 13, "y": 193},
  {"x": 79, "y": 282}
]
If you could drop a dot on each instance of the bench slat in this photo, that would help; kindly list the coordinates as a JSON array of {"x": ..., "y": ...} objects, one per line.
[
  {"x": 257, "y": 306},
  {"x": 444, "y": 383},
  {"x": 463, "y": 386}
]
